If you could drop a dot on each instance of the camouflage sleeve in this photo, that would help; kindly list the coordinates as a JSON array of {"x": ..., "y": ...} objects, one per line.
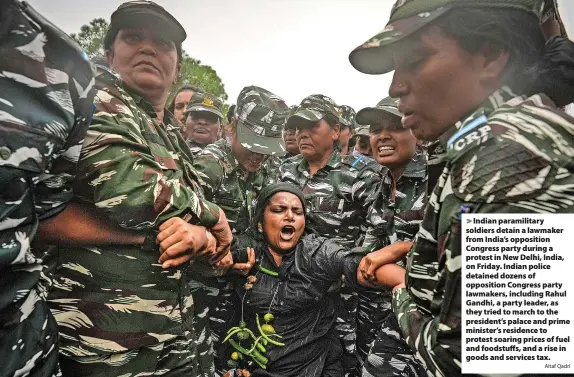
[
  {"x": 502, "y": 176},
  {"x": 435, "y": 339},
  {"x": 54, "y": 191},
  {"x": 366, "y": 190},
  {"x": 119, "y": 174},
  {"x": 210, "y": 171},
  {"x": 46, "y": 96}
]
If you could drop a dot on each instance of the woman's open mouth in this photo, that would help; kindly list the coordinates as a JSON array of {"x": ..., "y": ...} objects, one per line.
[{"x": 287, "y": 233}]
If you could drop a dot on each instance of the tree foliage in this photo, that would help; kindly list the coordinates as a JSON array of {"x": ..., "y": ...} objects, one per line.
[
  {"x": 91, "y": 39},
  {"x": 204, "y": 76}
]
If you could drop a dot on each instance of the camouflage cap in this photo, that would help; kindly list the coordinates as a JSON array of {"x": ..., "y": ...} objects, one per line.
[
  {"x": 261, "y": 117},
  {"x": 387, "y": 108},
  {"x": 371, "y": 115},
  {"x": 408, "y": 16},
  {"x": 143, "y": 12},
  {"x": 205, "y": 102},
  {"x": 347, "y": 116},
  {"x": 291, "y": 126},
  {"x": 312, "y": 109},
  {"x": 361, "y": 131}
]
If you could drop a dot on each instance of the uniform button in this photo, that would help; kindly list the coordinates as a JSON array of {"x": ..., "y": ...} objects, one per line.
[
  {"x": 432, "y": 271},
  {"x": 398, "y": 211},
  {"x": 5, "y": 153}
]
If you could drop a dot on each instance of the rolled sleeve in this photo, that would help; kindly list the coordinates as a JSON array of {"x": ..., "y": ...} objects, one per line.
[{"x": 136, "y": 182}]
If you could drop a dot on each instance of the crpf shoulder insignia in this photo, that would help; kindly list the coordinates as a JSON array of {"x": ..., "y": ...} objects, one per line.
[{"x": 474, "y": 132}]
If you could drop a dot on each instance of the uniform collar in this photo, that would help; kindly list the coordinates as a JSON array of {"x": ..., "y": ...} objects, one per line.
[
  {"x": 107, "y": 76},
  {"x": 333, "y": 163}
]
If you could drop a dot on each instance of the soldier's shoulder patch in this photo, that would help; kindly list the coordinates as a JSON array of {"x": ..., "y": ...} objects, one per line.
[
  {"x": 473, "y": 133},
  {"x": 500, "y": 170},
  {"x": 360, "y": 163}
]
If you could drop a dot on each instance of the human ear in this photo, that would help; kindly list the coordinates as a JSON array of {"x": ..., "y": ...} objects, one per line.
[
  {"x": 336, "y": 132},
  {"x": 494, "y": 62},
  {"x": 110, "y": 57}
]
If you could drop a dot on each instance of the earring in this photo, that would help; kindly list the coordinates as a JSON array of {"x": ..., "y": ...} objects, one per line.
[{"x": 260, "y": 228}]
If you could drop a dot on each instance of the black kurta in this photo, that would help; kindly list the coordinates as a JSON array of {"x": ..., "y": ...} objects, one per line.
[{"x": 304, "y": 314}]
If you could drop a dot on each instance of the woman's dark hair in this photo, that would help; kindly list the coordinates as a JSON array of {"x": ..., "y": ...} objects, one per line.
[
  {"x": 184, "y": 88},
  {"x": 534, "y": 65}
]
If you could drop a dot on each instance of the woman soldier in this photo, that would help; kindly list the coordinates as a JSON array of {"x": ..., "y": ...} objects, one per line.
[{"x": 483, "y": 71}]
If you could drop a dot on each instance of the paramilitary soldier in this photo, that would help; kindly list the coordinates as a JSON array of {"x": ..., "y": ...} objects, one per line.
[
  {"x": 513, "y": 147},
  {"x": 45, "y": 108},
  {"x": 204, "y": 119},
  {"x": 338, "y": 191},
  {"x": 120, "y": 310},
  {"x": 403, "y": 200},
  {"x": 234, "y": 172}
]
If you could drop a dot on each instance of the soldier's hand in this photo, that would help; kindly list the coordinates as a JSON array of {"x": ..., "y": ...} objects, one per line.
[
  {"x": 244, "y": 268},
  {"x": 223, "y": 236},
  {"x": 180, "y": 241}
]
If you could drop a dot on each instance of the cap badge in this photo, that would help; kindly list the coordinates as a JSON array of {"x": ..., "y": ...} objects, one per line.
[{"x": 207, "y": 101}]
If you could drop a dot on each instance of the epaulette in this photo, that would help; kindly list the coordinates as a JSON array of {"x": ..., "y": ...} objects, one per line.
[
  {"x": 361, "y": 163},
  {"x": 107, "y": 75}
]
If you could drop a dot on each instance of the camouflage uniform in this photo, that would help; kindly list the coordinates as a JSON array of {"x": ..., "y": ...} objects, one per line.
[
  {"x": 513, "y": 154},
  {"x": 46, "y": 98},
  {"x": 378, "y": 330},
  {"x": 195, "y": 148},
  {"x": 227, "y": 184},
  {"x": 116, "y": 308},
  {"x": 398, "y": 217},
  {"x": 337, "y": 196},
  {"x": 203, "y": 102},
  {"x": 436, "y": 153},
  {"x": 489, "y": 167}
]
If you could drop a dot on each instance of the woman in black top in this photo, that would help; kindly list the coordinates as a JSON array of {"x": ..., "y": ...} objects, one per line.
[{"x": 293, "y": 273}]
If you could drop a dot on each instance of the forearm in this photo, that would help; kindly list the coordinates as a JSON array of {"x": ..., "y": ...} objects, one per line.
[
  {"x": 392, "y": 253},
  {"x": 77, "y": 225},
  {"x": 390, "y": 275}
]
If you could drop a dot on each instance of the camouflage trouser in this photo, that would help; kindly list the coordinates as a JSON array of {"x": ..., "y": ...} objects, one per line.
[
  {"x": 346, "y": 301},
  {"x": 216, "y": 306},
  {"x": 390, "y": 355},
  {"x": 373, "y": 308},
  {"x": 28, "y": 340},
  {"x": 173, "y": 358}
]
